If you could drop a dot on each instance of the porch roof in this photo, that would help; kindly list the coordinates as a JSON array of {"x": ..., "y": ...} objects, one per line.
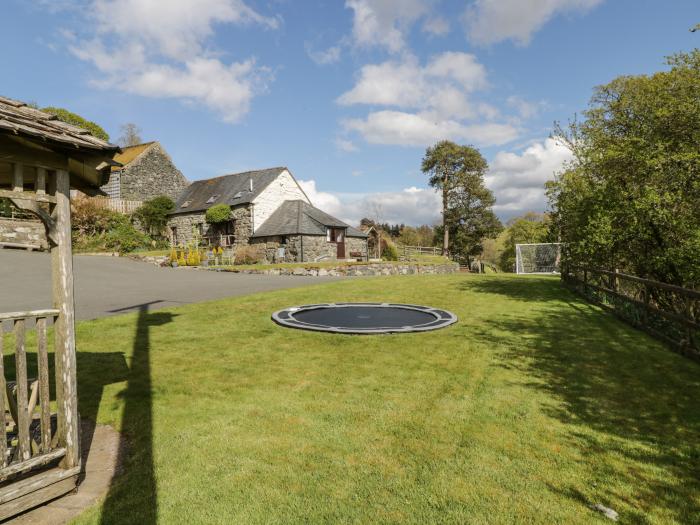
[{"x": 295, "y": 217}]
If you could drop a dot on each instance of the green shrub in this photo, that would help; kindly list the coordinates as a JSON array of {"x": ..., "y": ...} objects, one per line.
[
  {"x": 218, "y": 213},
  {"x": 153, "y": 214},
  {"x": 389, "y": 250},
  {"x": 124, "y": 238}
]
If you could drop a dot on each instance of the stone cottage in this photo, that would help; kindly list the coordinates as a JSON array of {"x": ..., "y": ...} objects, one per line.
[
  {"x": 146, "y": 171},
  {"x": 269, "y": 209}
]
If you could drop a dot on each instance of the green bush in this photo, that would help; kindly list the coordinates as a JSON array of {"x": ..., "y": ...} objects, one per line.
[
  {"x": 153, "y": 214},
  {"x": 124, "y": 238},
  {"x": 389, "y": 250},
  {"x": 218, "y": 213}
]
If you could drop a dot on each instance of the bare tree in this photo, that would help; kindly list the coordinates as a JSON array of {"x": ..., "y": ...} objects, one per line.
[{"x": 131, "y": 135}]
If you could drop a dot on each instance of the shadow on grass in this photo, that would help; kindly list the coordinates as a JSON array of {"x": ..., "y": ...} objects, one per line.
[
  {"x": 132, "y": 498},
  {"x": 639, "y": 397}
]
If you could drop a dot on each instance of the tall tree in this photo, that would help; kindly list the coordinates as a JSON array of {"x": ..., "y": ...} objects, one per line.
[
  {"x": 458, "y": 173},
  {"x": 76, "y": 120},
  {"x": 629, "y": 200},
  {"x": 131, "y": 135}
]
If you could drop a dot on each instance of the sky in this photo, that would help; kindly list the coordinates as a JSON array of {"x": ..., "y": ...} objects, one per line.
[{"x": 346, "y": 93}]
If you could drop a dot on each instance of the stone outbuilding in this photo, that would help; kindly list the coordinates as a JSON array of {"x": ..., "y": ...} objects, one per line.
[
  {"x": 268, "y": 209},
  {"x": 145, "y": 171},
  {"x": 299, "y": 232}
]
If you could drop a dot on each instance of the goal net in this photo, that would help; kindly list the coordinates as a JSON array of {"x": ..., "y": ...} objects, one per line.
[{"x": 537, "y": 258}]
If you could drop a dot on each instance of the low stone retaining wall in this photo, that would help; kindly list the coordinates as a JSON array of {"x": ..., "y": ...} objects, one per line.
[
  {"x": 23, "y": 231},
  {"x": 350, "y": 269}
]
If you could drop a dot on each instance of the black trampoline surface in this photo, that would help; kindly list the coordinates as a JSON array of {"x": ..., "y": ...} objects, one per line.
[{"x": 364, "y": 318}]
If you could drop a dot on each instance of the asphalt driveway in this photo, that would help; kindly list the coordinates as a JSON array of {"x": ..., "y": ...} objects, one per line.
[{"x": 113, "y": 285}]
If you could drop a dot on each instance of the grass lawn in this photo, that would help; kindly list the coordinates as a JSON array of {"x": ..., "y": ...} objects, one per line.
[{"x": 532, "y": 407}]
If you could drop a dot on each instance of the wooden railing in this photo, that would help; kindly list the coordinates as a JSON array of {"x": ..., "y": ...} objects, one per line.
[
  {"x": 408, "y": 251},
  {"x": 28, "y": 439},
  {"x": 119, "y": 205},
  {"x": 668, "y": 312},
  {"x": 218, "y": 239}
]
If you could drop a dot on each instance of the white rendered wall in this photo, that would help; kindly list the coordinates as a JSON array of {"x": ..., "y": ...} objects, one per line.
[{"x": 283, "y": 188}]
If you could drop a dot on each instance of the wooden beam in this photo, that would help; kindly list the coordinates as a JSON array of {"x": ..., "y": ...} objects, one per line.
[
  {"x": 40, "y": 186},
  {"x": 22, "y": 419},
  {"x": 44, "y": 392},
  {"x": 34, "y": 483},
  {"x": 36, "y": 461},
  {"x": 38, "y": 497},
  {"x": 18, "y": 177},
  {"x": 11, "y": 316},
  {"x": 3, "y": 432},
  {"x": 33, "y": 207},
  {"x": 27, "y": 195},
  {"x": 64, "y": 328}
]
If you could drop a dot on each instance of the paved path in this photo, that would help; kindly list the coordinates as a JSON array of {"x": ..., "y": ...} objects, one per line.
[{"x": 112, "y": 285}]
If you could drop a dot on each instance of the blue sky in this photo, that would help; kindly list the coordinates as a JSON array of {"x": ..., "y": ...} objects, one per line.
[{"x": 346, "y": 93}]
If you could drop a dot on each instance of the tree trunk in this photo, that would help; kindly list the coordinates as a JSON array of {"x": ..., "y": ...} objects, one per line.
[{"x": 445, "y": 229}]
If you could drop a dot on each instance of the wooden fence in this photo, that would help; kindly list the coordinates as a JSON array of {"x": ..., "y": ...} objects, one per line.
[
  {"x": 670, "y": 313},
  {"x": 408, "y": 251},
  {"x": 118, "y": 205}
]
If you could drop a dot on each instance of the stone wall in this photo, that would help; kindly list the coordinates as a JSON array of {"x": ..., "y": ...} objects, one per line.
[
  {"x": 23, "y": 231},
  {"x": 351, "y": 270},
  {"x": 315, "y": 248},
  {"x": 187, "y": 224},
  {"x": 149, "y": 175},
  {"x": 355, "y": 245}
]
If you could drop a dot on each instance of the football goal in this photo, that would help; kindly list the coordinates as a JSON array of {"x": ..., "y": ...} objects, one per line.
[{"x": 537, "y": 258}]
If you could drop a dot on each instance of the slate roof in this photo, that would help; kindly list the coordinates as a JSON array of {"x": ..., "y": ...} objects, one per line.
[
  {"x": 129, "y": 153},
  {"x": 229, "y": 189},
  {"x": 295, "y": 217},
  {"x": 19, "y": 119}
]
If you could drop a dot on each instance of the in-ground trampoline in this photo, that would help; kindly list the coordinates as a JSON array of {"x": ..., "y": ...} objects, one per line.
[{"x": 364, "y": 318}]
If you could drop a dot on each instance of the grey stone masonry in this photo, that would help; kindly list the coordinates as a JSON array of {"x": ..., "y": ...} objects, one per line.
[
  {"x": 149, "y": 175},
  {"x": 23, "y": 231},
  {"x": 314, "y": 248},
  {"x": 188, "y": 224},
  {"x": 351, "y": 270}
]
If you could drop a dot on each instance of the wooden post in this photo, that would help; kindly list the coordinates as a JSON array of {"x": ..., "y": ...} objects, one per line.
[
  {"x": 40, "y": 186},
  {"x": 17, "y": 177},
  {"x": 64, "y": 330},
  {"x": 3, "y": 435}
]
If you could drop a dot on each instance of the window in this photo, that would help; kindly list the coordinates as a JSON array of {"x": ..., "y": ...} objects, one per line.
[
  {"x": 185, "y": 204},
  {"x": 211, "y": 199},
  {"x": 334, "y": 234}
]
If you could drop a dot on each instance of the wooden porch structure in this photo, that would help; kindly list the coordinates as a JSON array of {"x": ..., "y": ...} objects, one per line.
[{"x": 41, "y": 159}]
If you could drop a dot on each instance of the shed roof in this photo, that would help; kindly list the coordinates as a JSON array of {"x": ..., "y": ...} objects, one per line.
[
  {"x": 18, "y": 118},
  {"x": 229, "y": 189},
  {"x": 129, "y": 153},
  {"x": 296, "y": 217}
]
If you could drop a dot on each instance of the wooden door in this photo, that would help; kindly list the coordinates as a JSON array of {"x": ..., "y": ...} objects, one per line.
[{"x": 340, "y": 243}]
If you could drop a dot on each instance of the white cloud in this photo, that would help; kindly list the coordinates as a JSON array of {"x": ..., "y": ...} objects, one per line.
[
  {"x": 384, "y": 23},
  {"x": 345, "y": 145},
  {"x": 517, "y": 179},
  {"x": 525, "y": 108},
  {"x": 159, "y": 49},
  {"x": 413, "y": 206},
  {"x": 324, "y": 57},
  {"x": 436, "y": 25},
  {"x": 491, "y": 21},
  {"x": 434, "y": 102},
  {"x": 409, "y": 129},
  {"x": 327, "y": 202}
]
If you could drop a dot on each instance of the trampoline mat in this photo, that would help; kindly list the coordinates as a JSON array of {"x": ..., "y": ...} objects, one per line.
[{"x": 364, "y": 317}]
